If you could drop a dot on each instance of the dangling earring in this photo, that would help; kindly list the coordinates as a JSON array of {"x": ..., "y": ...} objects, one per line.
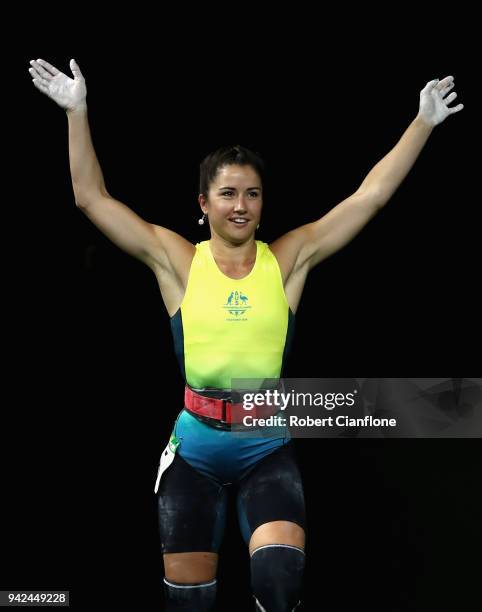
[
  {"x": 201, "y": 221},
  {"x": 257, "y": 226}
]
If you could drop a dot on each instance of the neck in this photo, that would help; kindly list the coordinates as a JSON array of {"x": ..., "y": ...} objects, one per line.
[{"x": 231, "y": 252}]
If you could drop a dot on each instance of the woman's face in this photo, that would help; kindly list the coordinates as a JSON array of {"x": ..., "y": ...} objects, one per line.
[{"x": 234, "y": 202}]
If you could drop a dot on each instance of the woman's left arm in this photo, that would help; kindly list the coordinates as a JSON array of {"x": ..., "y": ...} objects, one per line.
[
  {"x": 389, "y": 173},
  {"x": 340, "y": 225}
]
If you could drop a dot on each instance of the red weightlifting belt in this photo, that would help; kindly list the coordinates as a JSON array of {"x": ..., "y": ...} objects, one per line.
[{"x": 223, "y": 410}]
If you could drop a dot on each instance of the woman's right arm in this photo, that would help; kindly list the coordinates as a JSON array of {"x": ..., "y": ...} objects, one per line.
[
  {"x": 146, "y": 241},
  {"x": 154, "y": 245}
]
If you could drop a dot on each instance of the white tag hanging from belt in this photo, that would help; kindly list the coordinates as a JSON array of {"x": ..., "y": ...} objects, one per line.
[{"x": 167, "y": 458}]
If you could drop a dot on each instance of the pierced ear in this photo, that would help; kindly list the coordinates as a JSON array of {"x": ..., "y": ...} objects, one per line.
[{"x": 202, "y": 201}]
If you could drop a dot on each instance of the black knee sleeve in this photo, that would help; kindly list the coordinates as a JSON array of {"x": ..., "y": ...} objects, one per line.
[
  {"x": 190, "y": 597},
  {"x": 277, "y": 577}
]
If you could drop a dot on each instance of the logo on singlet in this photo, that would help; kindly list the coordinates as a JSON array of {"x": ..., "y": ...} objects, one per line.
[{"x": 237, "y": 304}]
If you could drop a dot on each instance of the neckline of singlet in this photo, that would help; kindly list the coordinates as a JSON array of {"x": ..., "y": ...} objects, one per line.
[{"x": 253, "y": 269}]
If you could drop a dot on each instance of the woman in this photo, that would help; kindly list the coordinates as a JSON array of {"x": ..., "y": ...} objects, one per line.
[{"x": 231, "y": 302}]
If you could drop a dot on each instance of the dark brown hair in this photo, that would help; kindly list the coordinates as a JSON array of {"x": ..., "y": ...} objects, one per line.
[{"x": 226, "y": 156}]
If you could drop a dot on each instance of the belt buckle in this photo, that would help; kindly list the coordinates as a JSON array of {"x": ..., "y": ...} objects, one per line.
[{"x": 223, "y": 414}]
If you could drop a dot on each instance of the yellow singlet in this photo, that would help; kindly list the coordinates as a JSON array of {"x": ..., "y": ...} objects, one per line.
[{"x": 232, "y": 328}]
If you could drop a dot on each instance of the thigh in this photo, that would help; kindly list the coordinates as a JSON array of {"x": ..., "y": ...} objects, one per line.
[
  {"x": 191, "y": 510},
  {"x": 271, "y": 491}
]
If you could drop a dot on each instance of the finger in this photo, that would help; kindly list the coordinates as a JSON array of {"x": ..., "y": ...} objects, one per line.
[
  {"x": 37, "y": 75},
  {"x": 41, "y": 71},
  {"x": 447, "y": 89},
  {"x": 456, "y": 109},
  {"x": 52, "y": 69},
  {"x": 444, "y": 83},
  {"x": 450, "y": 98},
  {"x": 43, "y": 88},
  {"x": 75, "y": 69},
  {"x": 430, "y": 85},
  {"x": 446, "y": 80}
]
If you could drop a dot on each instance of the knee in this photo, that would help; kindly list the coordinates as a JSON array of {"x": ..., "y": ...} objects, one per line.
[
  {"x": 277, "y": 577},
  {"x": 190, "y": 567},
  {"x": 190, "y": 581}
]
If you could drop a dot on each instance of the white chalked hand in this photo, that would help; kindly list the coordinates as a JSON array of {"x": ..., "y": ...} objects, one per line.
[
  {"x": 69, "y": 94},
  {"x": 433, "y": 106}
]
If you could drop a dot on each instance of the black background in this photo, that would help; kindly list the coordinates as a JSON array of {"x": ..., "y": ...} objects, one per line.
[{"x": 92, "y": 382}]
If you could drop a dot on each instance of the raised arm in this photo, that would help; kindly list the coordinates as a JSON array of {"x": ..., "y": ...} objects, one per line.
[
  {"x": 152, "y": 244},
  {"x": 313, "y": 242}
]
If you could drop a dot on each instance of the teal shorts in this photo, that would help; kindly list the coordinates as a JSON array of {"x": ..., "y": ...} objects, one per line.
[{"x": 225, "y": 456}]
